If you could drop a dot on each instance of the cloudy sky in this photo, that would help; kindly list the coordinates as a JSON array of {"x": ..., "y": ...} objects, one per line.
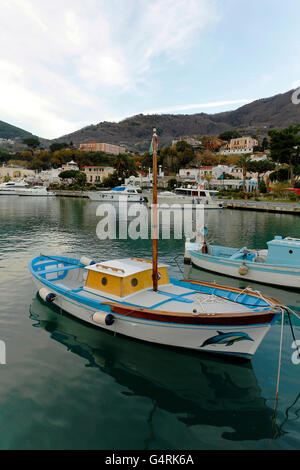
[{"x": 65, "y": 64}]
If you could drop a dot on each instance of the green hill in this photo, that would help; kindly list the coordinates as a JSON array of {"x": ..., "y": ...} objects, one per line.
[{"x": 7, "y": 131}]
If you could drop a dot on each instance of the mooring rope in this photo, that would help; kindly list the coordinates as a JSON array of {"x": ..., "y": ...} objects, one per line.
[{"x": 278, "y": 373}]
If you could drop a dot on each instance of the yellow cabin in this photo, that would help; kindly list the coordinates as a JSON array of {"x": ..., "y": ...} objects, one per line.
[{"x": 122, "y": 278}]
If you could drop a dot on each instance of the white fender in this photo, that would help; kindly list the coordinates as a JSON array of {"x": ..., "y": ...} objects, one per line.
[
  {"x": 103, "y": 318},
  {"x": 86, "y": 261},
  {"x": 47, "y": 295}
]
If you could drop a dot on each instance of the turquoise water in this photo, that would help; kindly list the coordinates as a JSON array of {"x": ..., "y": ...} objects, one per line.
[{"x": 67, "y": 385}]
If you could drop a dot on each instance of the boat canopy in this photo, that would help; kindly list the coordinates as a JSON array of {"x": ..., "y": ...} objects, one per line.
[
  {"x": 119, "y": 188},
  {"x": 284, "y": 251}
]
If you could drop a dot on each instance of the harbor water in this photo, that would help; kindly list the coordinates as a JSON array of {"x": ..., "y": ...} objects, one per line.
[{"x": 67, "y": 385}]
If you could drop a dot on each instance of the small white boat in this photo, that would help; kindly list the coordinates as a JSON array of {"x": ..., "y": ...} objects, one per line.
[
  {"x": 39, "y": 191},
  {"x": 11, "y": 188},
  {"x": 194, "y": 196},
  {"x": 127, "y": 193},
  {"x": 278, "y": 265}
]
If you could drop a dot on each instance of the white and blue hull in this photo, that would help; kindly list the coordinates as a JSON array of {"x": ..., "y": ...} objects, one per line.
[
  {"x": 283, "y": 276},
  {"x": 183, "y": 336}
]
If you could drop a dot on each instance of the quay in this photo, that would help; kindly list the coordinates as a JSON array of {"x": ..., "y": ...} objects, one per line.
[{"x": 263, "y": 206}]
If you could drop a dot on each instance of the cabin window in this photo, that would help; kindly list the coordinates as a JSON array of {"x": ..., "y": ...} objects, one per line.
[
  {"x": 134, "y": 282},
  {"x": 104, "y": 281},
  {"x": 291, "y": 252}
]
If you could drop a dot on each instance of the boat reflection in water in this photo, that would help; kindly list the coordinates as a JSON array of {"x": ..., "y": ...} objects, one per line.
[{"x": 199, "y": 390}]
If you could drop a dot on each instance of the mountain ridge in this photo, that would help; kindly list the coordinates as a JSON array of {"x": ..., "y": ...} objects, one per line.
[
  {"x": 135, "y": 132},
  {"x": 266, "y": 113}
]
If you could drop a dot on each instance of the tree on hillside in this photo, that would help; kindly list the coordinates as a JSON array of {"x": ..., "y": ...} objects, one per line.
[
  {"x": 172, "y": 184},
  {"x": 281, "y": 175},
  {"x": 111, "y": 181},
  {"x": 58, "y": 146},
  {"x": 261, "y": 168},
  {"x": 285, "y": 147},
  {"x": 124, "y": 166},
  {"x": 265, "y": 144},
  {"x": 147, "y": 161},
  {"x": 228, "y": 135},
  {"x": 207, "y": 158},
  {"x": 74, "y": 175},
  {"x": 182, "y": 145},
  {"x": 32, "y": 142}
]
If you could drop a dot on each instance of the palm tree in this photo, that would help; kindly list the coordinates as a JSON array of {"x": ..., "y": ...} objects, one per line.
[
  {"x": 245, "y": 162},
  {"x": 124, "y": 166}
]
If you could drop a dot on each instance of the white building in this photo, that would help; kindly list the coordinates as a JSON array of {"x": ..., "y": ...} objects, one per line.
[
  {"x": 189, "y": 140},
  {"x": 48, "y": 176},
  {"x": 144, "y": 180},
  {"x": 70, "y": 166},
  {"x": 239, "y": 146}
]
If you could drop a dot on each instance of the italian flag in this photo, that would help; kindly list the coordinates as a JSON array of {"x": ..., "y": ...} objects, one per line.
[{"x": 154, "y": 143}]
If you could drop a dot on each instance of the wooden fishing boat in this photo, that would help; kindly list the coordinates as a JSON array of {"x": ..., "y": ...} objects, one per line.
[
  {"x": 118, "y": 296},
  {"x": 136, "y": 298}
]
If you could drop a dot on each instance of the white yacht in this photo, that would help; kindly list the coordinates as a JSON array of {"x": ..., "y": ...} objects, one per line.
[
  {"x": 39, "y": 191},
  {"x": 191, "y": 195},
  {"x": 11, "y": 188},
  {"x": 124, "y": 193}
]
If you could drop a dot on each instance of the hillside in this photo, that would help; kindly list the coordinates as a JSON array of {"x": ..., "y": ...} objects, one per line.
[
  {"x": 135, "y": 132},
  {"x": 7, "y": 131}
]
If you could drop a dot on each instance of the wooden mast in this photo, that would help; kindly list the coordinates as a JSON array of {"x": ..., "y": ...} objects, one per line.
[{"x": 154, "y": 214}]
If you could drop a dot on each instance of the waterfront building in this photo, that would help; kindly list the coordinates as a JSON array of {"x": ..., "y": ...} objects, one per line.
[
  {"x": 49, "y": 176},
  {"x": 15, "y": 173},
  {"x": 102, "y": 147},
  {"x": 213, "y": 143},
  {"x": 70, "y": 166},
  {"x": 96, "y": 174},
  {"x": 239, "y": 146}
]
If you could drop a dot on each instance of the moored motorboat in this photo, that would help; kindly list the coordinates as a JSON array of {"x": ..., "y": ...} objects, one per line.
[
  {"x": 35, "y": 191},
  {"x": 191, "y": 195},
  {"x": 129, "y": 193},
  {"x": 11, "y": 188},
  {"x": 277, "y": 265}
]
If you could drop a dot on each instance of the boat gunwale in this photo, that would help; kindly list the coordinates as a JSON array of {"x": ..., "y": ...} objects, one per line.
[{"x": 221, "y": 319}]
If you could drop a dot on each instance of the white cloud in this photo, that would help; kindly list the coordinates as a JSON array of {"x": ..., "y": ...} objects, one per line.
[
  {"x": 189, "y": 107},
  {"x": 67, "y": 64}
]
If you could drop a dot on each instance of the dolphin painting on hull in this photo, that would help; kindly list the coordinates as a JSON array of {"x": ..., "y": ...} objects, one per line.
[{"x": 228, "y": 339}]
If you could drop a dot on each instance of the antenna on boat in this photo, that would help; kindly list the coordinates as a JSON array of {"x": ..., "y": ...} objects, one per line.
[{"x": 154, "y": 147}]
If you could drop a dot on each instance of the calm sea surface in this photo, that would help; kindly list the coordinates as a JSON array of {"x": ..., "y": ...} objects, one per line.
[{"x": 69, "y": 386}]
